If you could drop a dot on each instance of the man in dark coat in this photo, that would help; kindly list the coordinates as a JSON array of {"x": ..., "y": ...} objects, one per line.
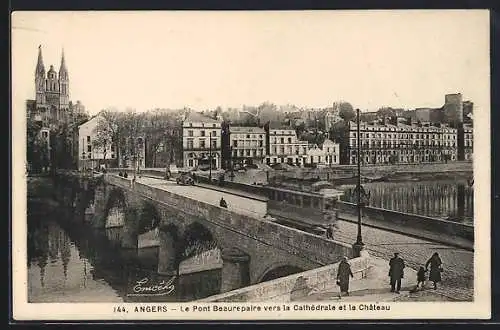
[
  {"x": 343, "y": 274},
  {"x": 396, "y": 272}
]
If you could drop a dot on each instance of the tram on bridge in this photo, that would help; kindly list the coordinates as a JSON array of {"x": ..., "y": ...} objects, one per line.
[{"x": 311, "y": 210}]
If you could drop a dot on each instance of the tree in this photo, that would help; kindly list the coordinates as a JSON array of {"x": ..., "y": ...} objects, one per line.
[
  {"x": 110, "y": 128},
  {"x": 346, "y": 110},
  {"x": 162, "y": 130}
]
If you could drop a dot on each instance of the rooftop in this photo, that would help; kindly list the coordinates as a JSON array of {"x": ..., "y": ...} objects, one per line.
[{"x": 196, "y": 117}]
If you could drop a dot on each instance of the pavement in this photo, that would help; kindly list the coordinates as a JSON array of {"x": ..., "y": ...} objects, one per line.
[
  {"x": 458, "y": 264},
  {"x": 375, "y": 287}
]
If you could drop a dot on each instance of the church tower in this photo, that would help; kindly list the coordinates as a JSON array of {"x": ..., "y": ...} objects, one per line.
[
  {"x": 63, "y": 84},
  {"x": 40, "y": 78}
]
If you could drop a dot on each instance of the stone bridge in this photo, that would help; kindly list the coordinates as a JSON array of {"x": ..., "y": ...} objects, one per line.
[{"x": 253, "y": 249}]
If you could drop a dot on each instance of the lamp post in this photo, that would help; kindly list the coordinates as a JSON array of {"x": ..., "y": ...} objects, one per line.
[
  {"x": 231, "y": 162},
  {"x": 83, "y": 161},
  {"x": 210, "y": 156},
  {"x": 358, "y": 245}
]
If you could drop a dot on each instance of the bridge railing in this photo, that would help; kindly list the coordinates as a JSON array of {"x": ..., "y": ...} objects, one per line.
[
  {"x": 294, "y": 241},
  {"x": 414, "y": 221}
]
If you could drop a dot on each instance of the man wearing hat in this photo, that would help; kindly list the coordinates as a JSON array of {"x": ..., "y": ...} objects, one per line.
[{"x": 396, "y": 272}]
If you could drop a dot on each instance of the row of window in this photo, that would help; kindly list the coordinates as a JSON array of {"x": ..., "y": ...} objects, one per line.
[
  {"x": 202, "y": 143},
  {"x": 202, "y": 133},
  {"x": 384, "y": 144},
  {"x": 203, "y": 125},
  {"x": 401, "y": 129},
  {"x": 247, "y": 136},
  {"x": 241, "y": 143},
  {"x": 248, "y": 153},
  {"x": 401, "y": 152},
  {"x": 402, "y": 159},
  {"x": 405, "y": 136}
]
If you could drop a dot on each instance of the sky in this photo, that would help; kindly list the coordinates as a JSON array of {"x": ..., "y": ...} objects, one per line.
[{"x": 202, "y": 60}]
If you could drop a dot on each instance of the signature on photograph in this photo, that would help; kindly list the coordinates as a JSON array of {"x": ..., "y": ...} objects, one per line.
[{"x": 149, "y": 287}]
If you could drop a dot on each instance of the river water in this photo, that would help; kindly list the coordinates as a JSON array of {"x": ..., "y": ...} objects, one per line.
[
  {"x": 445, "y": 199},
  {"x": 72, "y": 263}
]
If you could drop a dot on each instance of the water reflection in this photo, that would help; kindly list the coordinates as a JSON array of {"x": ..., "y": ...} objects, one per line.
[
  {"x": 453, "y": 200},
  {"x": 72, "y": 263}
]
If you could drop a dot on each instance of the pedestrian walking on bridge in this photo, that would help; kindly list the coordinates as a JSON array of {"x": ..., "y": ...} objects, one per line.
[
  {"x": 396, "y": 272},
  {"x": 344, "y": 274},
  {"x": 436, "y": 266}
]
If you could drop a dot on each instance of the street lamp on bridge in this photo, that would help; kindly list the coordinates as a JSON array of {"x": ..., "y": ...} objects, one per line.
[{"x": 362, "y": 196}]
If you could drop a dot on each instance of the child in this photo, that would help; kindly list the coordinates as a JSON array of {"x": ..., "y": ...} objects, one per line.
[{"x": 421, "y": 277}]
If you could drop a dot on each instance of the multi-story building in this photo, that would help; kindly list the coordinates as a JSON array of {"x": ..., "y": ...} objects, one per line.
[
  {"x": 468, "y": 142},
  {"x": 396, "y": 142},
  {"x": 285, "y": 147},
  {"x": 201, "y": 141},
  {"x": 90, "y": 154},
  {"x": 247, "y": 144},
  {"x": 331, "y": 151}
]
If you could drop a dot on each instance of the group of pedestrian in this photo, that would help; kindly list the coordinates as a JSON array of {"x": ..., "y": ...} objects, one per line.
[{"x": 434, "y": 266}]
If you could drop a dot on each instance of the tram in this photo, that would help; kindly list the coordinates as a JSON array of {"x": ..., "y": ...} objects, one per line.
[{"x": 309, "y": 210}]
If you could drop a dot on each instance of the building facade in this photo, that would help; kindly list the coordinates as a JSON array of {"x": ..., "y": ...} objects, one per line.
[
  {"x": 285, "y": 147},
  {"x": 468, "y": 142},
  {"x": 247, "y": 144},
  {"x": 332, "y": 152},
  {"x": 92, "y": 156},
  {"x": 397, "y": 142},
  {"x": 201, "y": 142}
]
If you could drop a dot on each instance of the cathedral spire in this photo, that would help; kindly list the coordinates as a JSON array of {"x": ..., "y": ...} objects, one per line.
[
  {"x": 40, "y": 69},
  {"x": 63, "y": 71}
]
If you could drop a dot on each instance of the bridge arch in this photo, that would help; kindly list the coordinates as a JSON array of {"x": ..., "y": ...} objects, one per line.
[
  {"x": 278, "y": 270},
  {"x": 149, "y": 218},
  {"x": 115, "y": 208},
  {"x": 197, "y": 238}
]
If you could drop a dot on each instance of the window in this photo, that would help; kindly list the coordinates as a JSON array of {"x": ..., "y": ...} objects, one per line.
[
  {"x": 89, "y": 148},
  {"x": 282, "y": 140},
  {"x": 289, "y": 140},
  {"x": 214, "y": 125},
  {"x": 214, "y": 133},
  {"x": 248, "y": 136},
  {"x": 202, "y": 143},
  {"x": 190, "y": 143},
  {"x": 235, "y": 143},
  {"x": 202, "y": 133},
  {"x": 190, "y": 132},
  {"x": 88, "y": 139},
  {"x": 248, "y": 152},
  {"x": 261, "y": 144},
  {"x": 45, "y": 135},
  {"x": 214, "y": 144}
]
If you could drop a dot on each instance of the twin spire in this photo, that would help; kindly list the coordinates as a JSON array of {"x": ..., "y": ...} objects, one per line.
[{"x": 40, "y": 68}]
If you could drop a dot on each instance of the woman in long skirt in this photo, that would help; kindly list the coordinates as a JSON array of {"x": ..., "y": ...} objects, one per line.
[
  {"x": 343, "y": 276},
  {"x": 436, "y": 269}
]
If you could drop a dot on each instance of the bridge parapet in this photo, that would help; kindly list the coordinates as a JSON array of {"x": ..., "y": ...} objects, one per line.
[{"x": 293, "y": 287}]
